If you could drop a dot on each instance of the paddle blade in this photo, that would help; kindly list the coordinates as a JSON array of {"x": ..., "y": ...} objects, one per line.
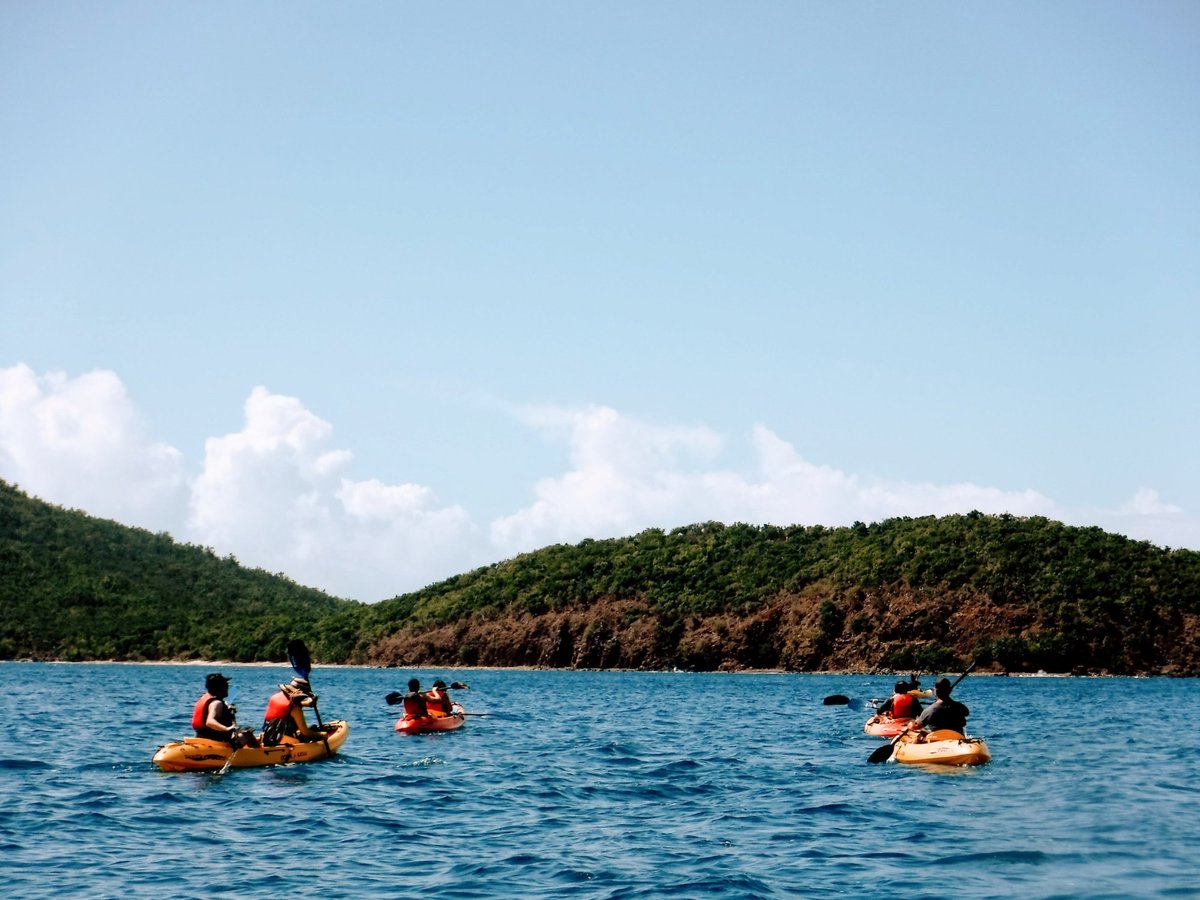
[
  {"x": 837, "y": 700},
  {"x": 299, "y": 658},
  {"x": 394, "y": 697},
  {"x": 881, "y": 754}
]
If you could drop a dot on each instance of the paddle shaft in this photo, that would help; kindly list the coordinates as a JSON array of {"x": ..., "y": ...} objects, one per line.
[{"x": 301, "y": 662}]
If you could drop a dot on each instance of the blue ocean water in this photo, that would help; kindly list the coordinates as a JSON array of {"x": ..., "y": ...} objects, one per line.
[{"x": 599, "y": 785}]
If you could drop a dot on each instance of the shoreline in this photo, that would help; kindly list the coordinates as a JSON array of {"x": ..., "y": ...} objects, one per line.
[{"x": 206, "y": 663}]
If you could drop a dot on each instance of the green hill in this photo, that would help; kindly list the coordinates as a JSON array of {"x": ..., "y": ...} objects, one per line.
[
  {"x": 925, "y": 593},
  {"x": 75, "y": 587},
  {"x": 906, "y": 594}
]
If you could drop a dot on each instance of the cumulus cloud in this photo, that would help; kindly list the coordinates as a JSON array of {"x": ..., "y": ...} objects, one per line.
[
  {"x": 274, "y": 495},
  {"x": 278, "y": 493},
  {"x": 627, "y": 476},
  {"x": 81, "y": 442}
]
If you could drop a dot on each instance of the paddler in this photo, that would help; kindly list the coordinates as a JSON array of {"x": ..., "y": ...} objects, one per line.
[
  {"x": 415, "y": 706},
  {"x": 437, "y": 699},
  {"x": 902, "y": 704},
  {"x": 212, "y": 717},
  {"x": 285, "y": 713},
  {"x": 945, "y": 712}
]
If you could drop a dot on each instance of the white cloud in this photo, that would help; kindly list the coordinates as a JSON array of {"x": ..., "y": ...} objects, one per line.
[
  {"x": 273, "y": 495},
  {"x": 80, "y": 442},
  {"x": 277, "y": 494},
  {"x": 626, "y": 478}
]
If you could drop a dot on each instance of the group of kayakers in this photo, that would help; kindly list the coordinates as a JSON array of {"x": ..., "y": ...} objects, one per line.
[
  {"x": 905, "y": 705},
  {"x": 433, "y": 702},
  {"x": 215, "y": 719}
]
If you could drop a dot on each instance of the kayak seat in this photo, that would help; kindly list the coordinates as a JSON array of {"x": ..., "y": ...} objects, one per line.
[{"x": 944, "y": 734}]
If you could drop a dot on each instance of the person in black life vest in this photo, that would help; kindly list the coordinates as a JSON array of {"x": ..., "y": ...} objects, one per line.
[
  {"x": 285, "y": 713},
  {"x": 437, "y": 699},
  {"x": 902, "y": 704},
  {"x": 415, "y": 706},
  {"x": 945, "y": 711},
  {"x": 212, "y": 718}
]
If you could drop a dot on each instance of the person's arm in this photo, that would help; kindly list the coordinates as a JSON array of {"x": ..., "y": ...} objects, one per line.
[
  {"x": 886, "y": 707},
  {"x": 302, "y": 729},
  {"x": 214, "y": 709}
]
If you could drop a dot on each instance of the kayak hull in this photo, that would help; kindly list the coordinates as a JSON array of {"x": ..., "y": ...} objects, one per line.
[
  {"x": 429, "y": 724},
  {"x": 885, "y": 726},
  {"x": 953, "y": 750},
  {"x": 202, "y": 755}
]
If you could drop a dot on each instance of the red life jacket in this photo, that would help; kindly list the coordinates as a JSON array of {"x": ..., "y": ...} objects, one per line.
[
  {"x": 200, "y": 712},
  {"x": 437, "y": 702},
  {"x": 414, "y": 708},
  {"x": 278, "y": 707},
  {"x": 903, "y": 706}
]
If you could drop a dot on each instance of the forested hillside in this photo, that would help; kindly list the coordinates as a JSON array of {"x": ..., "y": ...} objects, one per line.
[
  {"x": 75, "y": 587},
  {"x": 927, "y": 593},
  {"x": 905, "y": 594}
]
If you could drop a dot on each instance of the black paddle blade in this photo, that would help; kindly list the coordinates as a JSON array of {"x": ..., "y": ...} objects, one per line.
[
  {"x": 881, "y": 754},
  {"x": 837, "y": 700},
  {"x": 299, "y": 658},
  {"x": 394, "y": 697}
]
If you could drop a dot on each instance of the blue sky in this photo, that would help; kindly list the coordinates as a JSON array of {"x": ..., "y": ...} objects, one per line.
[{"x": 374, "y": 293}]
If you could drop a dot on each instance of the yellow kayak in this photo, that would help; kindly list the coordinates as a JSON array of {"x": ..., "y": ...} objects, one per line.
[
  {"x": 202, "y": 755},
  {"x": 945, "y": 748}
]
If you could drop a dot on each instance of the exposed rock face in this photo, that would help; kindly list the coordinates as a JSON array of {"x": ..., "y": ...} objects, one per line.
[{"x": 816, "y": 630}]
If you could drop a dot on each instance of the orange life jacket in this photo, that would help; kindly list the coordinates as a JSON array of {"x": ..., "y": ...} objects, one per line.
[
  {"x": 200, "y": 711},
  {"x": 437, "y": 702},
  {"x": 903, "y": 706},
  {"x": 278, "y": 707},
  {"x": 414, "y": 708}
]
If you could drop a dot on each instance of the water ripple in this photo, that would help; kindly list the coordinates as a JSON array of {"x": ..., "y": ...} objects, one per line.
[{"x": 580, "y": 799}]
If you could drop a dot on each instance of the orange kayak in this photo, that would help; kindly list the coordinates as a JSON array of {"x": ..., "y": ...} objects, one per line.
[
  {"x": 885, "y": 726},
  {"x": 202, "y": 755},
  {"x": 431, "y": 722},
  {"x": 944, "y": 748}
]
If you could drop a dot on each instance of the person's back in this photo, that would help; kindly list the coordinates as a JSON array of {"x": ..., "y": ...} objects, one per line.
[
  {"x": 902, "y": 704},
  {"x": 285, "y": 713},
  {"x": 414, "y": 701},
  {"x": 946, "y": 712},
  {"x": 437, "y": 699}
]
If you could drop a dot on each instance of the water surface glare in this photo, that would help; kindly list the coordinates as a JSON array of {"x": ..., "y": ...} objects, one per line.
[{"x": 599, "y": 785}]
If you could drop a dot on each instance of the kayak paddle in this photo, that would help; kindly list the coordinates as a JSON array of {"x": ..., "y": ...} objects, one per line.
[
  {"x": 884, "y": 753},
  {"x": 302, "y": 665},
  {"x": 396, "y": 697},
  {"x": 851, "y": 702}
]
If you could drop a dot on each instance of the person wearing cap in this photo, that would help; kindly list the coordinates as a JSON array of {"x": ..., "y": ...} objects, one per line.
[
  {"x": 212, "y": 717},
  {"x": 945, "y": 712},
  {"x": 437, "y": 699},
  {"x": 285, "y": 713}
]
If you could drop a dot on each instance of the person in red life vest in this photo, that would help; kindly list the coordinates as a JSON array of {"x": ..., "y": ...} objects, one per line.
[
  {"x": 285, "y": 713},
  {"x": 902, "y": 704},
  {"x": 212, "y": 718},
  {"x": 415, "y": 706},
  {"x": 437, "y": 699}
]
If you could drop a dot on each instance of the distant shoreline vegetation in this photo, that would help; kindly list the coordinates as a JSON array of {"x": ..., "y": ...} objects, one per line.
[{"x": 1018, "y": 595}]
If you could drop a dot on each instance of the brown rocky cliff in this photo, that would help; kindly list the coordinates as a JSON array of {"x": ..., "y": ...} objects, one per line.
[{"x": 814, "y": 630}]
